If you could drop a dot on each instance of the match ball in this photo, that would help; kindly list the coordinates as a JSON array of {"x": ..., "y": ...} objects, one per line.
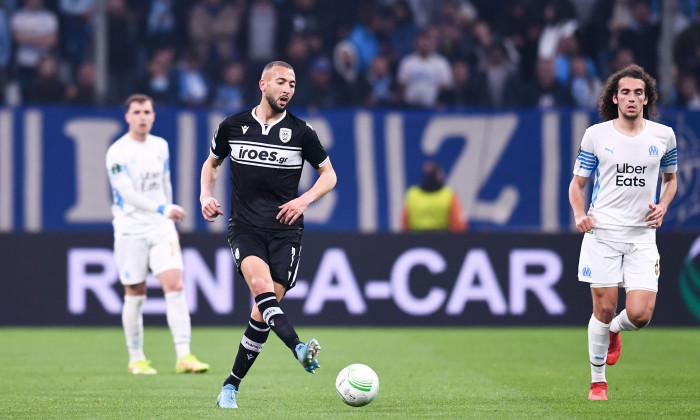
[{"x": 357, "y": 385}]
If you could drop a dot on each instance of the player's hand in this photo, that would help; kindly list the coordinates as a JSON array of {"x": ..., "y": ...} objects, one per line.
[
  {"x": 585, "y": 223},
  {"x": 291, "y": 211},
  {"x": 656, "y": 216},
  {"x": 174, "y": 212},
  {"x": 211, "y": 209}
]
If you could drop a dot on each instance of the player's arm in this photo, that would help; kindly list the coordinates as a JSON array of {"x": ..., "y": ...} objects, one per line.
[
  {"x": 122, "y": 185},
  {"x": 210, "y": 172},
  {"x": 669, "y": 185},
  {"x": 290, "y": 211},
  {"x": 584, "y": 222}
]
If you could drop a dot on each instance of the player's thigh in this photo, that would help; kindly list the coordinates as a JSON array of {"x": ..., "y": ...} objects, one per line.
[
  {"x": 165, "y": 253},
  {"x": 600, "y": 262},
  {"x": 285, "y": 253},
  {"x": 641, "y": 268},
  {"x": 246, "y": 242},
  {"x": 131, "y": 256}
]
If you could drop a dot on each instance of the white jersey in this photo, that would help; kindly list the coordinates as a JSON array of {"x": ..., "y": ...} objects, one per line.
[
  {"x": 139, "y": 173},
  {"x": 626, "y": 177}
]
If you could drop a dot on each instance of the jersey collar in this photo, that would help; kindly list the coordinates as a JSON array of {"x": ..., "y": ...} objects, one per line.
[{"x": 266, "y": 130}]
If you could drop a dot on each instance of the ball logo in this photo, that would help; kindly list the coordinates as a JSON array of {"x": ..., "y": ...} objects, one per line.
[
  {"x": 586, "y": 271},
  {"x": 689, "y": 280},
  {"x": 653, "y": 151},
  {"x": 285, "y": 134}
]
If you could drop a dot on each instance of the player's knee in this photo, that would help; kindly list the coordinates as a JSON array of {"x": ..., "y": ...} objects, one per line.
[
  {"x": 605, "y": 313},
  {"x": 260, "y": 285},
  {"x": 640, "y": 319}
]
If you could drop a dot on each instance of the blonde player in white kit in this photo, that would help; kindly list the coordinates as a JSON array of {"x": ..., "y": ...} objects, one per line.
[
  {"x": 626, "y": 153},
  {"x": 145, "y": 235}
]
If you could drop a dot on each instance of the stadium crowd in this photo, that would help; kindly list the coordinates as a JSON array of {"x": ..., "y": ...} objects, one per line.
[{"x": 383, "y": 53}]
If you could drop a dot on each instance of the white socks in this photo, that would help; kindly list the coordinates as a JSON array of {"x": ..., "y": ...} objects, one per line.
[
  {"x": 132, "y": 320},
  {"x": 598, "y": 342},
  {"x": 179, "y": 321},
  {"x": 622, "y": 323}
]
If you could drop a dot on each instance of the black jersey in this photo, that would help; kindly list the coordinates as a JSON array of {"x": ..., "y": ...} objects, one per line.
[{"x": 266, "y": 164}]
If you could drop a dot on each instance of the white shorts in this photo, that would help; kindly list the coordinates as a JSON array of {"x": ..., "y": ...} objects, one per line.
[
  {"x": 616, "y": 264},
  {"x": 159, "y": 251}
]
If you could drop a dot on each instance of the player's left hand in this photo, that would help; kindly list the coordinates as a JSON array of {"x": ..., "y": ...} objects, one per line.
[
  {"x": 656, "y": 217},
  {"x": 291, "y": 211}
]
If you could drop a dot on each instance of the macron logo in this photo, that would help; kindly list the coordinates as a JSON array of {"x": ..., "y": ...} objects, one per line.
[{"x": 245, "y": 128}]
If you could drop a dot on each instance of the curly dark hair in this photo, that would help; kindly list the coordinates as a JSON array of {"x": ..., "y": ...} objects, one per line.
[{"x": 608, "y": 109}]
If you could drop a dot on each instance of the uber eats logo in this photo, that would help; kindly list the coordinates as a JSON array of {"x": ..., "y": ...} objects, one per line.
[
  {"x": 626, "y": 175},
  {"x": 689, "y": 281}
]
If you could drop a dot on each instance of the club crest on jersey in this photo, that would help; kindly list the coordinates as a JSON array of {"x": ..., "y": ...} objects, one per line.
[
  {"x": 285, "y": 134},
  {"x": 586, "y": 271},
  {"x": 653, "y": 151}
]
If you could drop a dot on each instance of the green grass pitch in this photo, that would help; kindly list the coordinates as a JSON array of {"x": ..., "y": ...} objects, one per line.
[{"x": 520, "y": 373}]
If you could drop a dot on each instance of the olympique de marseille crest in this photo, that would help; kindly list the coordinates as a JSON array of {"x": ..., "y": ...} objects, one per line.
[{"x": 285, "y": 134}]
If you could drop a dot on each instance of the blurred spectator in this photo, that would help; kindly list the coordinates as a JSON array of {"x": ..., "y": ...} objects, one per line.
[
  {"x": 213, "y": 27},
  {"x": 568, "y": 49},
  {"x": 123, "y": 39},
  {"x": 497, "y": 80},
  {"x": 686, "y": 48},
  {"x": 623, "y": 58},
  {"x": 297, "y": 55},
  {"x": 363, "y": 37},
  {"x": 642, "y": 37},
  {"x": 432, "y": 206},
  {"x": 261, "y": 45},
  {"x": 378, "y": 87},
  {"x": 159, "y": 83},
  {"x": 163, "y": 26},
  {"x": 546, "y": 92},
  {"x": 35, "y": 31},
  {"x": 423, "y": 74},
  {"x": 404, "y": 30},
  {"x": 83, "y": 91},
  {"x": 559, "y": 22},
  {"x": 300, "y": 17},
  {"x": 75, "y": 17},
  {"x": 193, "y": 86},
  {"x": 229, "y": 94},
  {"x": 688, "y": 95},
  {"x": 464, "y": 92},
  {"x": 46, "y": 87},
  {"x": 5, "y": 49},
  {"x": 584, "y": 85},
  {"x": 323, "y": 93}
]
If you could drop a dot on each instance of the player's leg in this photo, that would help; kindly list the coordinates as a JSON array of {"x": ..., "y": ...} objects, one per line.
[
  {"x": 131, "y": 256},
  {"x": 257, "y": 275},
  {"x": 641, "y": 274},
  {"x": 166, "y": 264},
  {"x": 249, "y": 349},
  {"x": 600, "y": 264},
  {"x": 284, "y": 255}
]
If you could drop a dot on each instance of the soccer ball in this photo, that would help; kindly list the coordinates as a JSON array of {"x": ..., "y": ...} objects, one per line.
[{"x": 357, "y": 385}]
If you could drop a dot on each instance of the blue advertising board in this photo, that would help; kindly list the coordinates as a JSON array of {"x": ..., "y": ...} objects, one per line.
[{"x": 511, "y": 170}]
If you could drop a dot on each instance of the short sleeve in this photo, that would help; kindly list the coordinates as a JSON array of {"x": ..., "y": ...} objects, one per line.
[
  {"x": 586, "y": 161},
  {"x": 669, "y": 161},
  {"x": 220, "y": 148},
  {"x": 312, "y": 151}
]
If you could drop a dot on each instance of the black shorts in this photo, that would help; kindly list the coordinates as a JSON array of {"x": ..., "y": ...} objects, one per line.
[{"x": 281, "y": 251}]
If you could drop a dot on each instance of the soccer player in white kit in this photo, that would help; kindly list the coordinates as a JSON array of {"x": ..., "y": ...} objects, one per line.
[
  {"x": 626, "y": 153},
  {"x": 145, "y": 236}
]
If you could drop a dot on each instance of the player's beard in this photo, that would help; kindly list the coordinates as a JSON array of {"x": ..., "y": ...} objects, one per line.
[{"x": 273, "y": 103}]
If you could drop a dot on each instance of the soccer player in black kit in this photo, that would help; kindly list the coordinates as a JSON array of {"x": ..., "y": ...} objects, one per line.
[{"x": 267, "y": 147}]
